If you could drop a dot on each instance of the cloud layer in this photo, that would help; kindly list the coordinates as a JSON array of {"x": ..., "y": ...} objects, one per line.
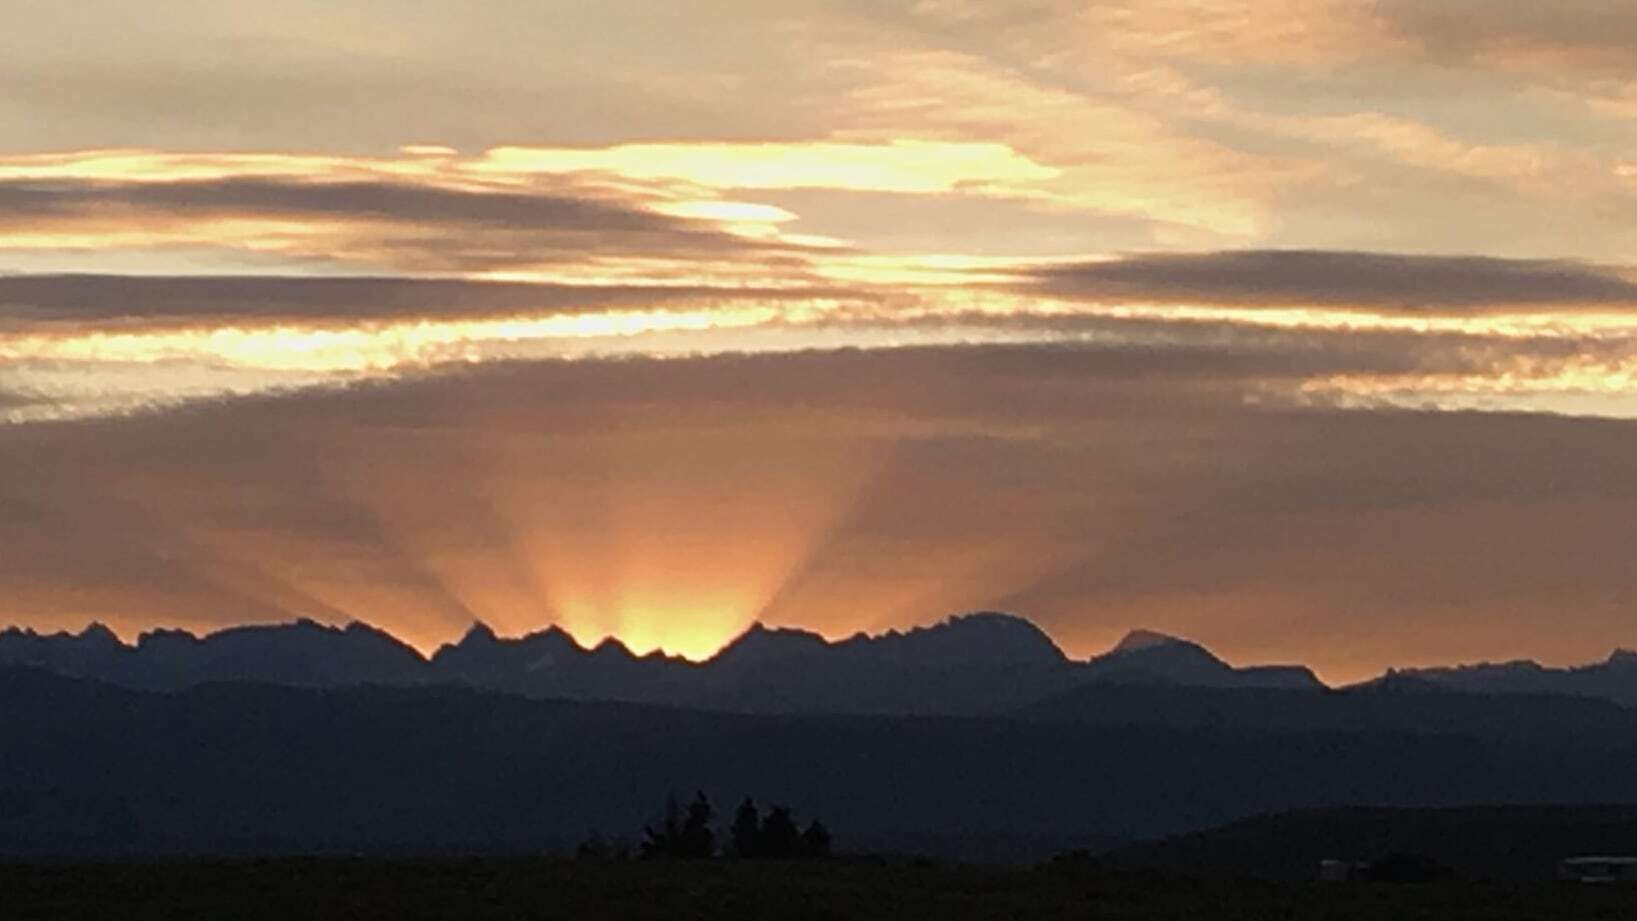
[
  {"x": 1367, "y": 281},
  {"x": 671, "y": 502},
  {"x": 1305, "y": 328}
]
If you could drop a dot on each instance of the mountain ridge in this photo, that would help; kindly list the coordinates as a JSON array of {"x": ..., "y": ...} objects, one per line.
[
  {"x": 975, "y": 663},
  {"x": 1614, "y": 678},
  {"x": 984, "y": 662}
]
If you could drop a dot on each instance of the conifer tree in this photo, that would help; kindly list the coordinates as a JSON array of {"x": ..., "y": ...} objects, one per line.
[
  {"x": 815, "y": 841},
  {"x": 747, "y": 824},
  {"x": 697, "y": 841},
  {"x": 779, "y": 839}
]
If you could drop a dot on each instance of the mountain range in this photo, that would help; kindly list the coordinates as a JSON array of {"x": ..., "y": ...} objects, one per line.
[
  {"x": 975, "y": 738},
  {"x": 973, "y": 664},
  {"x": 1614, "y": 678},
  {"x": 982, "y": 663}
]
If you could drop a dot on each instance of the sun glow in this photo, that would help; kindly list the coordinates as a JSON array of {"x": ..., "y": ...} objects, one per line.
[{"x": 667, "y": 539}]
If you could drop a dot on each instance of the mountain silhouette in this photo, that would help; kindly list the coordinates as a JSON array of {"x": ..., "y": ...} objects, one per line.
[
  {"x": 975, "y": 737},
  {"x": 1613, "y": 679},
  {"x": 304, "y": 653},
  {"x": 1146, "y": 656},
  {"x": 551, "y": 663},
  {"x": 1142, "y": 640},
  {"x": 984, "y": 663},
  {"x": 761, "y": 646},
  {"x": 987, "y": 639},
  {"x": 981, "y": 663}
]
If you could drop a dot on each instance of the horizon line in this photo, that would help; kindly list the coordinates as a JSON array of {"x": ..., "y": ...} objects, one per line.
[{"x": 828, "y": 640}]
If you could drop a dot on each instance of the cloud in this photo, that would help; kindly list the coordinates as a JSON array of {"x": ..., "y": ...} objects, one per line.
[
  {"x": 1348, "y": 328},
  {"x": 678, "y": 213},
  {"x": 1584, "y": 34},
  {"x": 1371, "y": 281},
  {"x": 1221, "y": 122},
  {"x": 1314, "y": 34},
  {"x": 85, "y": 299},
  {"x": 252, "y": 197},
  {"x": 916, "y": 166},
  {"x": 671, "y": 501},
  {"x": 375, "y": 223},
  {"x": 914, "y": 205}
]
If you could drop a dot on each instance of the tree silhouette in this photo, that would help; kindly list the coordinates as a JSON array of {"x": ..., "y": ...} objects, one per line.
[
  {"x": 815, "y": 841},
  {"x": 747, "y": 825},
  {"x": 597, "y": 847},
  {"x": 680, "y": 837},
  {"x": 687, "y": 834},
  {"x": 698, "y": 841},
  {"x": 779, "y": 838},
  {"x": 661, "y": 841},
  {"x": 1407, "y": 868}
]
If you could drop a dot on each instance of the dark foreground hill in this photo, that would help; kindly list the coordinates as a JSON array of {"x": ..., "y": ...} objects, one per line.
[
  {"x": 411, "y": 890},
  {"x": 1397, "y": 708},
  {"x": 1485, "y": 842},
  {"x": 91, "y": 768}
]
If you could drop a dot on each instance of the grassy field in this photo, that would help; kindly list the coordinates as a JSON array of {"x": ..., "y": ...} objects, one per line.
[{"x": 561, "y": 889}]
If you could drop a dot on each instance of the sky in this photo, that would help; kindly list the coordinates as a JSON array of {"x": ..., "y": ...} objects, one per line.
[{"x": 1307, "y": 330}]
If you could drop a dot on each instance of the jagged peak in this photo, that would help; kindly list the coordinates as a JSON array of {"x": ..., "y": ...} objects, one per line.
[
  {"x": 553, "y": 634},
  {"x": 979, "y": 637},
  {"x": 991, "y": 619},
  {"x": 299, "y": 626},
  {"x": 611, "y": 646},
  {"x": 758, "y": 640},
  {"x": 1623, "y": 656},
  {"x": 481, "y": 638},
  {"x": 759, "y": 631},
  {"x": 148, "y": 638},
  {"x": 165, "y": 633},
  {"x": 99, "y": 631},
  {"x": 972, "y": 622},
  {"x": 1005, "y": 635},
  {"x": 1529, "y": 664},
  {"x": 1141, "y": 639}
]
